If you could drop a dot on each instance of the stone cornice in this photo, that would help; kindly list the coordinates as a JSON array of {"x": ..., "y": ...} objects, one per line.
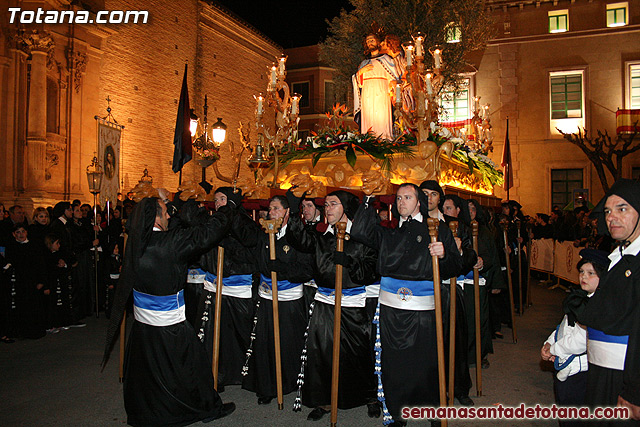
[{"x": 567, "y": 35}]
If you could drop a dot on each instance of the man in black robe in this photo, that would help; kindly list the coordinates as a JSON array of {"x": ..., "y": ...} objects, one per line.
[
  {"x": 447, "y": 209},
  {"x": 612, "y": 314},
  {"x": 356, "y": 380},
  {"x": 407, "y": 348},
  {"x": 167, "y": 375},
  {"x": 237, "y": 308},
  {"x": 293, "y": 268}
]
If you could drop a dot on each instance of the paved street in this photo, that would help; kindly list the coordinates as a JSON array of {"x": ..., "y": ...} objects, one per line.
[{"x": 56, "y": 381}]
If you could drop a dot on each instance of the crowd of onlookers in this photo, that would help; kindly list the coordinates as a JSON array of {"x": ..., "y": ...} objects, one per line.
[
  {"x": 49, "y": 264},
  {"x": 569, "y": 225}
]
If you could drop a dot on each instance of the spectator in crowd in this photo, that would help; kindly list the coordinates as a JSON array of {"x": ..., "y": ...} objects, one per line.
[{"x": 566, "y": 347}]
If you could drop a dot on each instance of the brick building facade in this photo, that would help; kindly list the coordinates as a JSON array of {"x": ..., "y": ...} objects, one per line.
[{"x": 54, "y": 78}]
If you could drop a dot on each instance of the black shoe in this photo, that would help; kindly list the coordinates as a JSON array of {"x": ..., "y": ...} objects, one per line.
[
  {"x": 7, "y": 340},
  {"x": 317, "y": 413},
  {"x": 226, "y": 409},
  {"x": 78, "y": 325},
  {"x": 465, "y": 400},
  {"x": 373, "y": 409},
  {"x": 435, "y": 423},
  {"x": 485, "y": 363},
  {"x": 265, "y": 400},
  {"x": 220, "y": 389},
  {"x": 498, "y": 335}
]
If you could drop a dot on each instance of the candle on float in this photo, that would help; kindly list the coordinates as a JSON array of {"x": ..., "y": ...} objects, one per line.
[
  {"x": 273, "y": 76},
  {"x": 259, "y": 100},
  {"x": 428, "y": 83},
  {"x": 294, "y": 105},
  {"x": 476, "y": 104},
  {"x": 409, "y": 55},
  {"x": 437, "y": 58},
  {"x": 486, "y": 111},
  {"x": 398, "y": 93},
  {"x": 281, "y": 63},
  {"x": 418, "y": 46}
]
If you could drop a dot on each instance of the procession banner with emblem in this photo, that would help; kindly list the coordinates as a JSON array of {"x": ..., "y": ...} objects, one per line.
[
  {"x": 566, "y": 260},
  {"x": 542, "y": 255},
  {"x": 109, "y": 136}
]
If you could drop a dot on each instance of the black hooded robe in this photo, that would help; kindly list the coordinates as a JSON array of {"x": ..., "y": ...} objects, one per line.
[
  {"x": 167, "y": 374},
  {"x": 408, "y": 337},
  {"x": 356, "y": 379}
]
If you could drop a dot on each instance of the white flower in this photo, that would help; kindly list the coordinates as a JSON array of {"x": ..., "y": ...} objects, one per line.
[
  {"x": 456, "y": 140},
  {"x": 314, "y": 144},
  {"x": 350, "y": 135}
]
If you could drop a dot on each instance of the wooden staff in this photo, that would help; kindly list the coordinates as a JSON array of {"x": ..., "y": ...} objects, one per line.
[
  {"x": 122, "y": 325},
  {"x": 271, "y": 226},
  {"x": 519, "y": 268},
  {"x": 215, "y": 360},
  {"x": 453, "y": 225},
  {"x": 476, "y": 304},
  {"x": 433, "y": 224},
  {"x": 341, "y": 228},
  {"x": 504, "y": 223}
]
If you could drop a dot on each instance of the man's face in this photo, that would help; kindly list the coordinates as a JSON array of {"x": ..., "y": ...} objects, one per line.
[
  {"x": 372, "y": 43},
  {"x": 277, "y": 211},
  {"x": 433, "y": 198},
  {"x": 309, "y": 210},
  {"x": 162, "y": 220},
  {"x": 68, "y": 212},
  {"x": 20, "y": 234},
  {"x": 472, "y": 211},
  {"x": 449, "y": 208},
  {"x": 220, "y": 199},
  {"x": 85, "y": 211},
  {"x": 621, "y": 218},
  {"x": 408, "y": 204},
  {"x": 334, "y": 210},
  {"x": 17, "y": 216}
]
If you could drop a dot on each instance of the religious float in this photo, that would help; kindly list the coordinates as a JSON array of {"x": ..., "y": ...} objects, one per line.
[{"x": 340, "y": 156}]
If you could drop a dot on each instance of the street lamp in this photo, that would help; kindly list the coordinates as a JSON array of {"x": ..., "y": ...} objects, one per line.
[
  {"x": 219, "y": 132},
  {"x": 94, "y": 177}
]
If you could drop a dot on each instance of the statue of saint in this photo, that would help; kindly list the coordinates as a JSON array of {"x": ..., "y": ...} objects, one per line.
[{"x": 373, "y": 88}]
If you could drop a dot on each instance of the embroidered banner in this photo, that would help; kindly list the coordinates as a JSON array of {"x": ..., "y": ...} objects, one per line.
[{"x": 109, "y": 135}]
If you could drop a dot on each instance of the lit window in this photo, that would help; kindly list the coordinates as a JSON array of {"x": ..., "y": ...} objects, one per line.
[
  {"x": 634, "y": 86},
  {"x": 566, "y": 96},
  {"x": 453, "y": 33},
  {"x": 456, "y": 104},
  {"x": 558, "y": 21},
  {"x": 617, "y": 14},
  {"x": 566, "y": 101}
]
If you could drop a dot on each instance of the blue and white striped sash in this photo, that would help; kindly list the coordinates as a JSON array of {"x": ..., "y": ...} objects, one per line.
[
  {"x": 604, "y": 350},
  {"x": 352, "y": 297},
  {"x": 236, "y": 285},
  {"x": 287, "y": 291},
  {"x": 158, "y": 310},
  {"x": 414, "y": 295},
  {"x": 373, "y": 290}
]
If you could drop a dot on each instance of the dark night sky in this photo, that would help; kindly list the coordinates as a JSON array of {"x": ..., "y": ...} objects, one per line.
[{"x": 290, "y": 23}]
